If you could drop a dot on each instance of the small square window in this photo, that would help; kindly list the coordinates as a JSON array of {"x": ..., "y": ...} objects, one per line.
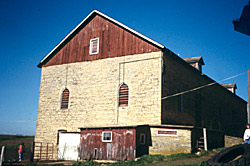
[
  {"x": 94, "y": 46},
  {"x": 142, "y": 138},
  {"x": 107, "y": 136}
]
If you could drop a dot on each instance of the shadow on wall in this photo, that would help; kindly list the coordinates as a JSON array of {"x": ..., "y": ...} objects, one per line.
[
  {"x": 178, "y": 118},
  {"x": 215, "y": 139},
  {"x": 143, "y": 140}
]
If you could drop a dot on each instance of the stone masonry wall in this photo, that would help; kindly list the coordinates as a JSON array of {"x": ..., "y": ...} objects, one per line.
[
  {"x": 94, "y": 89},
  {"x": 231, "y": 141},
  {"x": 170, "y": 144}
]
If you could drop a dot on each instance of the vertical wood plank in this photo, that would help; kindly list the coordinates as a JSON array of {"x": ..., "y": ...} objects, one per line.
[{"x": 114, "y": 42}]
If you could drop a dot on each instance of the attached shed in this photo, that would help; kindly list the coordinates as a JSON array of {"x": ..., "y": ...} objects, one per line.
[{"x": 115, "y": 143}]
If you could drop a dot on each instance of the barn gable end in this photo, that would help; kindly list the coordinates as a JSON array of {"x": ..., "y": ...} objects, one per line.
[{"x": 115, "y": 40}]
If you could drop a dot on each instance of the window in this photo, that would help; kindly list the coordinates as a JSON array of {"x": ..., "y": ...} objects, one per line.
[
  {"x": 107, "y": 136},
  {"x": 65, "y": 99},
  {"x": 167, "y": 132},
  {"x": 94, "y": 46},
  {"x": 142, "y": 138},
  {"x": 123, "y": 95}
]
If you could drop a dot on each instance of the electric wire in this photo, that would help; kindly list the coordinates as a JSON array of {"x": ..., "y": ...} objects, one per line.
[
  {"x": 200, "y": 87},
  {"x": 166, "y": 97}
]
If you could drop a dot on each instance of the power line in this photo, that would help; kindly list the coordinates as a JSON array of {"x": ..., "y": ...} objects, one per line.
[
  {"x": 200, "y": 87},
  {"x": 166, "y": 97}
]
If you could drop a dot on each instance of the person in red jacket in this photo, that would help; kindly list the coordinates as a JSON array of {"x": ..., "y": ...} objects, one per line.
[{"x": 20, "y": 151}]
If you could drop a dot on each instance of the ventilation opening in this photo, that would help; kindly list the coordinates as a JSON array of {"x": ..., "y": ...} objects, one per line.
[
  {"x": 123, "y": 95},
  {"x": 65, "y": 99}
]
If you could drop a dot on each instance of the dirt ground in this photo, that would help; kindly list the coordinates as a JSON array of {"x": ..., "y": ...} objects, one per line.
[{"x": 187, "y": 161}]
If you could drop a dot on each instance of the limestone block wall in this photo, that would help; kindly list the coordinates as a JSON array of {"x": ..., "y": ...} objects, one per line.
[
  {"x": 231, "y": 141},
  {"x": 167, "y": 141},
  {"x": 93, "y": 87}
]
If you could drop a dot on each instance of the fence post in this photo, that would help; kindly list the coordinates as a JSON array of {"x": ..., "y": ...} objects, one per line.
[
  {"x": 205, "y": 138},
  {"x": 1, "y": 157},
  {"x": 32, "y": 152}
]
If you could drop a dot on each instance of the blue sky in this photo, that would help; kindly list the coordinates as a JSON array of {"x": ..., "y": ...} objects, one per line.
[{"x": 30, "y": 29}]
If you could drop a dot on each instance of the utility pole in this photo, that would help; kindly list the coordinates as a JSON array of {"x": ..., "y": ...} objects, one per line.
[{"x": 248, "y": 93}]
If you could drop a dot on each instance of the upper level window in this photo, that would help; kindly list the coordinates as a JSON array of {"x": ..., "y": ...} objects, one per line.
[
  {"x": 94, "y": 46},
  {"x": 123, "y": 95},
  {"x": 65, "y": 99}
]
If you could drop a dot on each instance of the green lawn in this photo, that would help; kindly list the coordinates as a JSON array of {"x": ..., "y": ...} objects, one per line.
[
  {"x": 159, "y": 160},
  {"x": 11, "y": 143}
]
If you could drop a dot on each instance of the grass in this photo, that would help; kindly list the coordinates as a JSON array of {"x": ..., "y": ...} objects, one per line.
[
  {"x": 35, "y": 164},
  {"x": 15, "y": 137},
  {"x": 12, "y": 141},
  {"x": 146, "y": 160},
  {"x": 180, "y": 156}
]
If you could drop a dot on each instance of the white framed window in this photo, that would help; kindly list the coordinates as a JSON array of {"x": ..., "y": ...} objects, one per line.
[
  {"x": 107, "y": 136},
  {"x": 142, "y": 138},
  {"x": 94, "y": 46}
]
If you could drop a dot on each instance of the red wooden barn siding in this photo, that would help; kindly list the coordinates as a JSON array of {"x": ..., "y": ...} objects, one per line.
[
  {"x": 113, "y": 42},
  {"x": 122, "y": 146}
]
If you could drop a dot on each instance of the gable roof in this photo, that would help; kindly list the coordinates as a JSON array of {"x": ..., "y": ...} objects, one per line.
[
  {"x": 230, "y": 85},
  {"x": 86, "y": 20},
  {"x": 194, "y": 60}
]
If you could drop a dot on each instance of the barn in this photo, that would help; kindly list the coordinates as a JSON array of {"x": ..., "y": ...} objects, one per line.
[{"x": 120, "y": 94}]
